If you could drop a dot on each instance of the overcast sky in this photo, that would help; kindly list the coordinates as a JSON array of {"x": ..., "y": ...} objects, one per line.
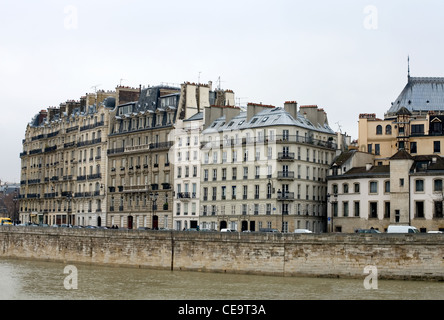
[{"x": 348, "y": 56}]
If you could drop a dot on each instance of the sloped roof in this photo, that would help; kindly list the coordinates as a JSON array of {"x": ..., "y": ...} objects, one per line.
[
  {"x": 265, "y": 118},
  {"x": 401, "y": 155},
  {"x": 342, "y": 158},
  {"x": 363, "y": 171},
  {"x": 420, "y": 94}
]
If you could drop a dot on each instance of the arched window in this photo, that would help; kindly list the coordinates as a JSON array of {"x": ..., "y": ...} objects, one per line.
[
  {"x": 379, "y": 129},
  {"x": 388, "y": 129}
]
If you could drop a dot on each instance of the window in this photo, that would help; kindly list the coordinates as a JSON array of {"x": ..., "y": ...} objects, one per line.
[
  {"x": 369, "y": 148},
  {"x": 419, "y": 207},
  {"x": 437, "y": 146},
  {"x": 397, "y": 215},
  {"x": 335, "y": 189},
  {"x": 373, "y": 210},
  {"x": 345, "y": 187},
  {"x": 356, "y": 211},
  {"x": 386, "y": 209},
  {"x": 437, "y": 185},
  {"x": 438, "y": 209},
  {"x": 388, "y": 129},
  {"x": 413, "y": 147},
  {"x": 334, "y": 208},
  {"x": 345, "y": 208},
  {"x": 377, "y": 149},
  {"x": 419, "y": 185},
  {"x": 373, "y": 187},
  {"x": 387, "y": 186},
  {"x": 417, "y": 129},
  {"x": 379, "y": 129},
  {"x": 356, "y": 186},
  {"x": 401, "y": 182}
]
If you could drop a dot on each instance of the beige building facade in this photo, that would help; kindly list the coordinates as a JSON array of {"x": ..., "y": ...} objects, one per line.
[
  {"x": 265, "y": 168},
  {"x": 413, "y": 123},
  {"x": 64, "y": 164}
]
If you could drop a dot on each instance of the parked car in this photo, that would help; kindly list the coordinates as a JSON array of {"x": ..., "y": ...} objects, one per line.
[
  {"x": 367, "y": 231},
  {"x": 435, "y": 231},
  {"x": 268, "y": 230},
  {"x": 401, "y": 229},
  {"x": 5, "y": 221},
  {"x": 227, "y": 230},
  {"x": 302, "y": 231}
]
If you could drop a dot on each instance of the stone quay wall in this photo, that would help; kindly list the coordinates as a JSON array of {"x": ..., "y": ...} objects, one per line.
[{"x": 395, "y": 256}]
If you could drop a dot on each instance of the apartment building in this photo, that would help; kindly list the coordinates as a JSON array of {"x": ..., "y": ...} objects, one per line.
[
  {"x": 265, "y": 167},
  {"x": 140, "y": 177},
  {"x": 63, "y": 165},
  {"x": 148, "y": 140},
  {"x": 187, "y": 151},
  {"x": 187, "y": 172}
]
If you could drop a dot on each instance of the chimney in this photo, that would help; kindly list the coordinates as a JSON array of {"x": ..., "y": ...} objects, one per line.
[
  {"x": 230, "y": 113},
  {"x": 368, "y": 166},
  {"x": 254, "y": 108},
  {"x": 212, "y": 113},
  {"x": 311, "y": 113},
  {"x": 292, "y": 108}
]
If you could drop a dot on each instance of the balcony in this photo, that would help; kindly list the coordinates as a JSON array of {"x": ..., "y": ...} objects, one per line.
[
  {"x": 306, "y": 140},
  {"x": 184, "y": 196},
  {"x": 285, "y": 196},
  {"x": 286, "y": 156},
  {"x": 285, "y": 175},
  {"x": 161, "y": 145}
]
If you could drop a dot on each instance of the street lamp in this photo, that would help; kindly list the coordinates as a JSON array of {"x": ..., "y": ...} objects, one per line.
[
  {"x": 68, "y": 198},
  {"x": 153, "y": 197},
  {"x": 330, "y": 213},
  {"x": 281, "y": 196},
  {"x": 16, "y": 201}
]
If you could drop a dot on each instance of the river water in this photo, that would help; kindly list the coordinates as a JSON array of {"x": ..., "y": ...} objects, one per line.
[{"x": 36, "y": 280}]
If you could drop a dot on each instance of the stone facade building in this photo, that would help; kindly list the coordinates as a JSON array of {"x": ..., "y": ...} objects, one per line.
[
  {"x": 395, "y": 177},
  {"x": 176, "y": 157},
  {"x": 413, "y": 123},
  {"x": 265, "y": 167},
  {"x": 146, "y": 146},
  {"x": 407, "y": 191},
  {"x": 64, "y": 164}
]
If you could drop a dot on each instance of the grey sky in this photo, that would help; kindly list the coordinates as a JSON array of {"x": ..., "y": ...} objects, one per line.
[{"x": 328, "y": 53}]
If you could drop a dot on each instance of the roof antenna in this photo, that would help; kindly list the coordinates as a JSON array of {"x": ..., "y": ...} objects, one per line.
[
  {"x": 339, "y": 127},
  {"x": 408, "y": 65}
]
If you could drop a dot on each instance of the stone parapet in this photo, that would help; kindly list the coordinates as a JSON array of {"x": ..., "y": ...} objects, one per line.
[{"x": 396, "y": 256}]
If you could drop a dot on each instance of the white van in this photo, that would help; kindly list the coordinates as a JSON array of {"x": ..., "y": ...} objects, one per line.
[
  {"x": 401, "y": 229},
  {"x": 302, "y": 231}
]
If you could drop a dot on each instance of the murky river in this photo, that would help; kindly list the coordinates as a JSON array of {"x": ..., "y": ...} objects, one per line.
[{"x": 33, "y": 280}]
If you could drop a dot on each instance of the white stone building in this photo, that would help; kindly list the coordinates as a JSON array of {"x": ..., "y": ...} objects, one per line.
[
  {"x": 265, "y": 167},
  {"x": 408, "y": 191}
]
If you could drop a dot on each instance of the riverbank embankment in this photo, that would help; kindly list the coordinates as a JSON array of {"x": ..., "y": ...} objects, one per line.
[{"x": 394, "y": 256}]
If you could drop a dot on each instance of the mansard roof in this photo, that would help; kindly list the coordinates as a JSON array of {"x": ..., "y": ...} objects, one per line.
[
  {"x": 420, "y": 94},
  {"x": 269, "y": 117}
]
